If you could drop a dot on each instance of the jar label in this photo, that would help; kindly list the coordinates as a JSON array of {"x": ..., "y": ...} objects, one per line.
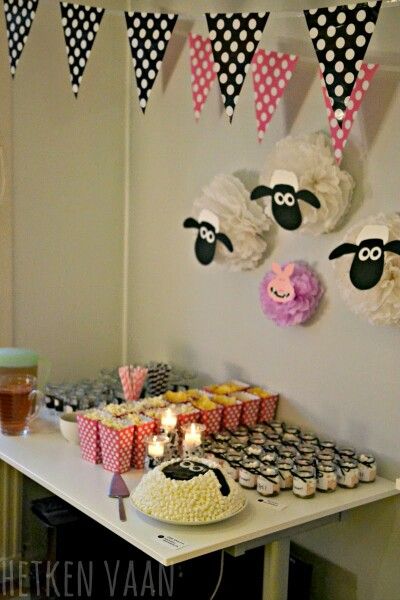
[
  {"x": 247, "y": 479},
  {"x": 265, "y": 487}
]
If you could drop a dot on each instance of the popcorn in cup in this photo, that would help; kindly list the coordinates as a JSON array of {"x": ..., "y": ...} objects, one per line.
[
  {"x": 89, "y": 435},
  {"x": 116, "y": 438},
  {"x": 250, "y": 408}
]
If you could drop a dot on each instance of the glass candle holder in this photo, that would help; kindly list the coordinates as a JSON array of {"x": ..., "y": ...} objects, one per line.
[
  {"x": 192, "y": 439},
  {"x": 156, "y": 450},
  {"x": 169, "y": 420}
]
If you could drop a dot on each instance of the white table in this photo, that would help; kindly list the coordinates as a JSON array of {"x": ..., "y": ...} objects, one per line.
[{"x": 48, "y": 459}]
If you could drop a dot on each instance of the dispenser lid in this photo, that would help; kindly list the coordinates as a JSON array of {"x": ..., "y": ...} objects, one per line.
[{"x": 18, "y": 357}]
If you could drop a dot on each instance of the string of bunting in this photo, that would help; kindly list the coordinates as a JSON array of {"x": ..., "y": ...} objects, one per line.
[{"x": 340, "y": 36}]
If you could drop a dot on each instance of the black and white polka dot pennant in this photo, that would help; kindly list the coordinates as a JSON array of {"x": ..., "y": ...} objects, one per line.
[
  {"x": 149, "y": 35},
  {"x": 80, "y": 24},
  {"x": 341, "y": 35},
  {"x": 19, "y": 18},
  {"x": 234, "y": 38}
]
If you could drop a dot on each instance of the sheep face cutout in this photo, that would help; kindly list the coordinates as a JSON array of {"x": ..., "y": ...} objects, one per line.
[
  {"x": 280, "y": 289},
  {"x": 208, "y": 235},
  {"x": 285, "y": 195},
  {"x": 184, "y": 470},
  {"x": 369, "y": 260}
]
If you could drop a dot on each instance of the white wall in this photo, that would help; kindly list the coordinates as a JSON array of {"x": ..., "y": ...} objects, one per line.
[
  {"x": 68, "y": 195},
  {"x": 339, "y": 375}
]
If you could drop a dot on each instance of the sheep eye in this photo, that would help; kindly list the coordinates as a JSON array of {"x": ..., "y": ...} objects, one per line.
[
  {"x": 279, "y": 198},
  {"x": 196, "y": 468},
  {"x": 203, "y": 232},
  {"x": 375, "y": 253},
  {"x": 187, "y": 464},
  {"x": 363, "y": 254},
  {"x": 289, "y": 199},
  {"x": 210, "y": 237}
]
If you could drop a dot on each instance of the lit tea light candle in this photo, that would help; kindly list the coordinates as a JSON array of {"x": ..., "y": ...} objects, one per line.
[
  {"x": 168, "y": 420},
  {"x": 192, "y": 438},
  {"x": 156, "y": 450}
]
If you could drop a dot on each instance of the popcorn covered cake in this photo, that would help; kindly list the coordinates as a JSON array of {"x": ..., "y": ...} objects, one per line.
[{"x": 188, "y": 491}]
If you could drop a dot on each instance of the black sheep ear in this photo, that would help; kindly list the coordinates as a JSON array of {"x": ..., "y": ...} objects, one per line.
[
  {"x": 191, "y": 223},
  {"x": 342, "y": 250},
  {"x": 392, "y": 247},
  {"x": 308, "y": 197},
  {"x": 221, "y": 237},
  {"x": 260, "y": 192}
]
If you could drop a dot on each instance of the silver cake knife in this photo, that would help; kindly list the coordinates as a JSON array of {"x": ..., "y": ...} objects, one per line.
[{"x": 119, "y": 490}]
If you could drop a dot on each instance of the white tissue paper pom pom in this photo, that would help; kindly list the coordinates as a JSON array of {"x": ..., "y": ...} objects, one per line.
[
  {"x": 241, "y": 219},
  {"x": 312, "y": 160},
  {"x": 380, "y": 304}
]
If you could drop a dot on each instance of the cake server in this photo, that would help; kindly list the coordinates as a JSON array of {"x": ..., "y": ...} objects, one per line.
[{"x": 119, "y": 490}]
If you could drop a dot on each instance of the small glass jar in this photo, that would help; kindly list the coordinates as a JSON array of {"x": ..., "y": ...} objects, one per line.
[
  {"x": 222, "y": 437},
  {"x": 258, "y": 438},
  {"x": 327, "y": 445},
  {"x": 219, "y": 454},
  {"x": 254, "y": 450},
  {"x": 301, "y": 462},
  {"x": 347, "y": 473},
  {"x": 285, "y": 452},
  {"x": 156, "y": 449},
  {"x": 325, "y": 458},
  {"x": 239, "y": 446},
  {"x": 232, "y": 469},
  {"x": 306, "y": 450},
  {"x": 277, "y": 426},
  {"x": 309, "y": 438},
  {"x": 346, "y": 453},
  {"x": 240, "y": 436},
  {"x": 326, "y": 478},
  {"x": 268, "y": 481},
  {"x": 248, "y": 471},
  {"x": 268, "y": 458},
  {"x": 367, "y": 468},
  {"x": 292, "y": 433},
  {"x": 258, "y": 428},
  {"x": 304, "y": 482},
  {"x": 285, "y": 467},
  {"x": 273, "y": 437}
]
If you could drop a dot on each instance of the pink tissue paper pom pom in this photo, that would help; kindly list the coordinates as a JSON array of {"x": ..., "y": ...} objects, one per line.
[{"x": 308, "y": 293}]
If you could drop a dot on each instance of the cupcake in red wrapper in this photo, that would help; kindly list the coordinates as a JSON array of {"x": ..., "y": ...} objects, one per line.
[
  {"x": 143, "y": 430},
  {"x": 250, "y": 408},
  {"x": 268, "y": 403},
  {"x": 89, "y": 435},
  {"x": 116, "y": 439}
]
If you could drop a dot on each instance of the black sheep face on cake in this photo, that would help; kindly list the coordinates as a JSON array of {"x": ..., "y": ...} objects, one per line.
[
  {"x": 184, "y": 470},
  {"x": 285, "y": 195}
]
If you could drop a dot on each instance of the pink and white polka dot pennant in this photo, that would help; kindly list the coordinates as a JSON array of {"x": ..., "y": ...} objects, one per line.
[
  {"x": 202, "y": 71},
  {"x": 272, "y": 72},
  {"x": 339, "y": 134}
]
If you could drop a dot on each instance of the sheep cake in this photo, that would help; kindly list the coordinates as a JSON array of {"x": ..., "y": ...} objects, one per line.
[{"x": 188, "y": 492}]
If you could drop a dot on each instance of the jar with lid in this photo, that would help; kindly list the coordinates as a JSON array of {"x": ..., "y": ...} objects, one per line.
[
  {"x": 236, "y": 445},
  {"x": 240, "y": 436},
  {"x": 306, "y": 450},
  {"x": 304, "y": 482},
  {"x": 301, "y": 461},
  {"x": 291, "y": 432},
  {"x": 347, "y": 473},
  {"x": 268, "y": 481},
  {"x": 222, "y": 437},
  {"x": 258, "y": 438},
  {"x": 273, "y": 437},
  {"x": 277, "y": 426},
  {"x": 326, "y": 478},
  {"x": 285, "y": 452},
  {"x": 248, "y": 471},
  {"x": 254, "y": 450},
  {"x": 219, "y": 454},
  {"x": 268, "y": 458},
  {"x": 325, "y": 458},
  {"x": 285, "y": 467},
  {"x": 309, "y": 438},
  {"x": 258, "y": 428},
  {"x": 367, "y": 467},
  {"x": 328, "y": 445},
  {"x": 346, "y": 453}
]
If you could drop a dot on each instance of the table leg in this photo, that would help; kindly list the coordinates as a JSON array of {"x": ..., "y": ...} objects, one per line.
[{"x": 276, "y": 570}]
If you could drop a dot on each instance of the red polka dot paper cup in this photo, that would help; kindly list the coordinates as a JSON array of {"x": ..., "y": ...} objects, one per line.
[
  {"x": 250, "y": 408},
  {"x": 185, "y": 418},
  {"x": 231, "y": 416},
  {"x": 142, "y": 431},
  {"x": 116, "y": 447},
  {"x": 211, "y": 419},
  {"x": 268, "y": 407},
  {"x": 89, "y": 438}
]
